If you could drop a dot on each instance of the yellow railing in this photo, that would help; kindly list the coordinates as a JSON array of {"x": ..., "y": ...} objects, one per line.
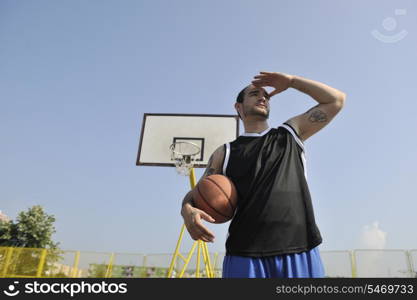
[{"x": 44, "y": 263}]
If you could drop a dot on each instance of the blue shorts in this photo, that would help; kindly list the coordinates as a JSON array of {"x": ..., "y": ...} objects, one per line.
[{"x": 298, "y": 265}]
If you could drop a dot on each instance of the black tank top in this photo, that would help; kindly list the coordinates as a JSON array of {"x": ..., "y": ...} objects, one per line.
[{"x": 274, "y": 214}]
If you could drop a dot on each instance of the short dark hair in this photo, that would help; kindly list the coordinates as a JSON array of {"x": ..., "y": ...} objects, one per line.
[{"x": 241, "y": 95}]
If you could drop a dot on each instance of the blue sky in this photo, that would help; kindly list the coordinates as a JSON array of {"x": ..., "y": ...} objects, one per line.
[{"x": 76, "y": 78}]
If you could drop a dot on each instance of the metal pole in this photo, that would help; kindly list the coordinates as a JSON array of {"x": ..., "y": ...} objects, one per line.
[
  {"x": 41, "y": 263},
  {"x": 353, "y": 263},
  {"x": 7, "y": 261},
  {"x": 75, "y": 266}
]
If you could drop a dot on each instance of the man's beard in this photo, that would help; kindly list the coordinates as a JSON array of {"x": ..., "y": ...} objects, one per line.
[{"x": 257, "y": 112}]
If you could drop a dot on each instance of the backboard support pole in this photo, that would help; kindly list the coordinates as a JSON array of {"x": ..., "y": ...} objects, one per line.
[{"x": 202, "y": 248}]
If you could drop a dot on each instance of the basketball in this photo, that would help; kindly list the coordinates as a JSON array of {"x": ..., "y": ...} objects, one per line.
[{"x": 217, "y": 196}]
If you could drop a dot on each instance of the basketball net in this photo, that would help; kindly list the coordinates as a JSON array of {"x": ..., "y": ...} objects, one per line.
[{"x": 183, "y": 154}]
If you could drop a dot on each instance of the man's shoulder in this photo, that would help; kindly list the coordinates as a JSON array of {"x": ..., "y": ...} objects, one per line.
[
  {"x": 219, "y": 152},
  {"x": 289, "y": 130}
]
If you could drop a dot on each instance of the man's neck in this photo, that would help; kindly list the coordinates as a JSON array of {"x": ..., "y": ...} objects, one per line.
[{"x": 255, "y": 126}]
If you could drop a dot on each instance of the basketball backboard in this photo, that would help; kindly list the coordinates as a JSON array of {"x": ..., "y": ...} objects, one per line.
[{"x": 159, "y": 131}]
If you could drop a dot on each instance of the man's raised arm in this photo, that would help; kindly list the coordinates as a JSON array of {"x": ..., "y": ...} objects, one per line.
[{"x": 330, "y": 100}]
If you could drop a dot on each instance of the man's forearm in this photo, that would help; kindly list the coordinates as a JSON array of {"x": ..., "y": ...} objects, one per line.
[
  {"x": 188, "y": 201},
  {"x": 320, "y": 92}
]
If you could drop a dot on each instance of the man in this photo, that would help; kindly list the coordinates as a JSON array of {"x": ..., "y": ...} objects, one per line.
[{"x": 273, "y": 232}]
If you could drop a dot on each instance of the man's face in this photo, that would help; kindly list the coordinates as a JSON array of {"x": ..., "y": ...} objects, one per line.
[{"x": 255, "y": 103}]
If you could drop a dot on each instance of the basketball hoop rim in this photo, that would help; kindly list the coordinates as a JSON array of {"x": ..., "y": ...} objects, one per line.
[{"x": 172, "y": 148}]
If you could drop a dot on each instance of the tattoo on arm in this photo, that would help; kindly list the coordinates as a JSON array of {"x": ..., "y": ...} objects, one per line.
[
  {"x": 316, "y": 115},
  {"x": 210, "y": 170}
]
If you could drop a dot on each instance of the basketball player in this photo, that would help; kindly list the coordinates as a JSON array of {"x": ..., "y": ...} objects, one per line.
[{"x": 273, "y": 233}]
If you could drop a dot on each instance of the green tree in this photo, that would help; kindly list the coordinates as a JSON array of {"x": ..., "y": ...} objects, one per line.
[{"x": 33, "y": 229}]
